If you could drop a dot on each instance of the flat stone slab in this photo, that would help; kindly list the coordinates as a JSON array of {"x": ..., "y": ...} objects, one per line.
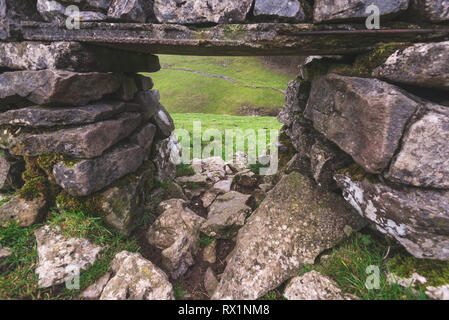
[
  {"x": 88, "y": 176},
  {"x": 73, "y": 56},
  {"x": 82, "y": 142},
  {"x": 263, "y": 39},
  {"x": 55, "y": 87},
  {"x": 36, "y": 117}
]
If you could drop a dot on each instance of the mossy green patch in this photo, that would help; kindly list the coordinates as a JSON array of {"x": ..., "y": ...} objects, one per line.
[
  {"x": 357, "y": 173},
  {"x": 404, "y": 265},
  {"x": 183, "y": 170}
]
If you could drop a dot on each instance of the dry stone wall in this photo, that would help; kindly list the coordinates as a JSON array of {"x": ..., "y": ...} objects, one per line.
[
  {"x": 368, "y": 130},
  {"x": 84, "y": 125}
]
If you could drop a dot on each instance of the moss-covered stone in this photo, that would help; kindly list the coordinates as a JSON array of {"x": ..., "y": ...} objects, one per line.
[
  {"x": 366, "y": 63},
  {"x": 357, "y": 173},
  {"x": 288, "y": 152},
  {"x": 436, "y": 272}
]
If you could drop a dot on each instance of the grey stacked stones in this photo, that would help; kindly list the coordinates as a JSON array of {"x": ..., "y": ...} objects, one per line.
[
  {"x": 397, "y": 142},
  {"x": 87, "y": 106}
]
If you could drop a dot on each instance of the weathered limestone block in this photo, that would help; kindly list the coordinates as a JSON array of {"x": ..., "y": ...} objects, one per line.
[
  {"x": 88, "y": 176},
  {"x": 296, "y": 221},
  {"x": 227, "y": 215},
  {"x": 429, "y": 10},
  {"x": 417, "y": 218},
  {"x": 210, "y": 281},
  {"x": 124, "y": 204},
  {"x": 337, "y": 10},
  {"x": 128, "y": 10},
  {"x": 144, "y": 136},
  {"x": 83, "y": 142},
  {"x": 53, "y": 11},
  {"x": 55, "y": 87},
  {"x": 37, "y": 117},
  {"x": 424, "y": 64},
  {"x": 26, "y": 212},
  {"x": 136, "y": 278},
  {"x": 102, "y": 5},
  {"x": 94, "y": 290},
  {"x": 314, "y": 286},
  {"x": 296, "y": 97},
  {"x": 73, "y": 56},
  {"x": 364, "y": 117},
  {"x": 176, "y": 233},
  {"x": 423, "y": 159},
  {"x": 143, "y": 82},
  {"x": 168, "y": 153},
  {"x": 198, "y": 11},
  {"x": 290, "y": 10},
  {"x": 246, "y": 178},
  {"x": 164, "y": 122},
  {"x": 61, "y": 258}
]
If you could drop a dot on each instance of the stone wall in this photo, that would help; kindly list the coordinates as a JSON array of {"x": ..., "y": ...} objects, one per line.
[
  {"x": 79, "y": 130},
  {"x": 377, "y": 129}
]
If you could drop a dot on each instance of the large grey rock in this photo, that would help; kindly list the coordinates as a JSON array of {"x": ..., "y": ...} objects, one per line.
[
  {"x": 25, "y": 212},
  {"x": 227, "y": 215},
  {"x": 73, "y": 56},
  {"x": 88, "y": 176},
  {"x": 417, "y": 218},
  {"x": 364, "y": 117},
  {"x": 424, "y": 64},
  {"x": 144, "y": 137},
  {"x": 55, "y": 87},
  {"x": 83, "y": 142},
  {"x": 198, "y": 11},
  {"x": 59, "y": 258},
  {"x": 429, "y": 10},
  {"x": 423, "y": 159},
  {"x": 128, "y": 10},
  {"x": 123, "y": 205},
  {"x": 295, "y": 222},
  {"x": 337, "y": 10},
  {"x": 49, "y": 117},
  {"x": 314, "y": 286},
  {"x": 136, "y": 278},
  {"x": 176, "y": 233},
  {"x": 280, "y": 9}
]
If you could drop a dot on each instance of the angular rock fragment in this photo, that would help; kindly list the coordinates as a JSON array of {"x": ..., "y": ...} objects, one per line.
[
  {"x": 73, "y": 56},
  {"x": 55, "y": 87},
  {"x": 168, "y": 153},
  {"x": 176, "y": 233},
  {"x": 25, "y": 212},
  {"x": 417, "y": 218},
  {"x": 423, "y": 159},
  {"x": 53, "y": 11},
  {"x": 227, "y": 215},
  {"x": 164, "y": 122},
  {"x": 337, "y": 10},
  {"x": 128, "y": 10},
  {"x": 60, "y": 258},
  {"x": 314, "y": 286},
  {"x": 136, "y": 278},
  {"x": 11, "y": 169},
  {"x": 290, "y": 10},
  {"x": 364, "y": 117},
  {"x": 144, "y": 136},
  {"x": 149, "y": 103},
  {"x": 36, "y": 117},
  {"x": 294, "y": 223},
  {"x": 94, "y": 290},
  {"x": 429, "y": 10},
  {"x": 210, "y": 281},
  {"x": 197, "y": 11},
  {"x": 88, "y": 176},
  {"x": 83, "y": 142},
  {"x": 423, "y": 64}
]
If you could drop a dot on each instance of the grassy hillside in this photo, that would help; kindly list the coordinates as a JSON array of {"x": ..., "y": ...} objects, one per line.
[{"x": 188, "y": 92}]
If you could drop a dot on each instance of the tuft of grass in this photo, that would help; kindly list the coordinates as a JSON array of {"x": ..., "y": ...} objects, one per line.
[
  {"x": 204, "y": 240},
  {"x": 178, "y": 291},
  {"x": 348, "y": 263},
  {"x": 183, "y": 170}
]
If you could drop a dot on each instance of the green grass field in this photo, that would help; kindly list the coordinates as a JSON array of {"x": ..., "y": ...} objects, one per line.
[{"x": 187, "y": 92}]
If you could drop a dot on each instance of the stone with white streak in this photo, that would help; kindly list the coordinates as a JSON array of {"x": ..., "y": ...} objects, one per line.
[{"x": 417, "y": 218}]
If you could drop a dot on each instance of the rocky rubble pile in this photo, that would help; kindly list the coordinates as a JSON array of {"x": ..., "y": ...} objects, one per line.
[{"x": 76, "y": 120}]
